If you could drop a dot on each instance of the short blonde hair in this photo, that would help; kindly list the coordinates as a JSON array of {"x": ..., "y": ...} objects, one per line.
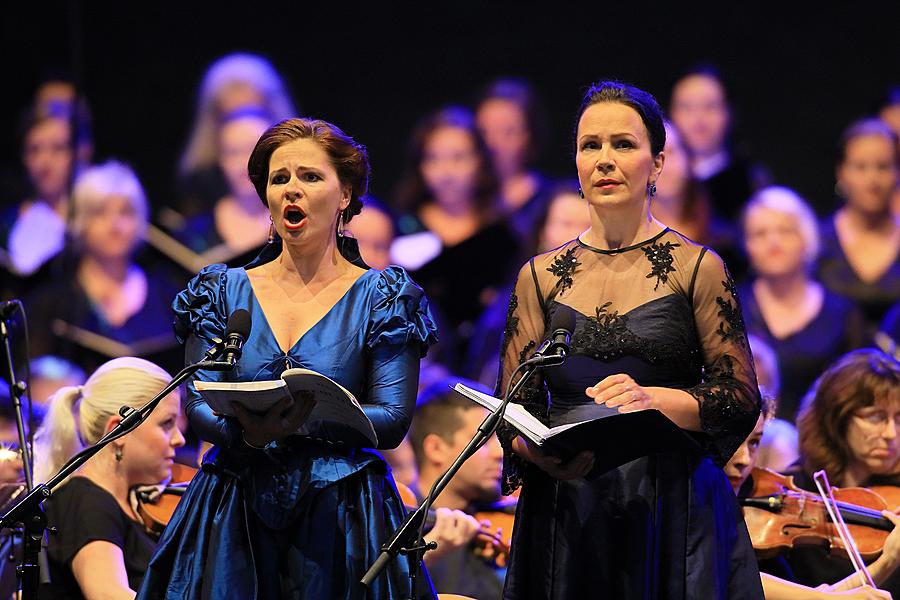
[
  {"x": 77, "y": 415},
  {"x": 96, "y": 184},
  {"x": 789, "y": 202}
]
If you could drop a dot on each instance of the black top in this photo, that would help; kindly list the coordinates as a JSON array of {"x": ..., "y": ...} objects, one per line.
[
  {"x": 835, "y": 272},
  {"x": 63, "y": 321},
  {"x": 84, "y": 513},
  {"x": 730, "y": 188},
  {"x": 805, "y": 354}
]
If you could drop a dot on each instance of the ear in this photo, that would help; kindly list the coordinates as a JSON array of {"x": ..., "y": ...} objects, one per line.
[
  {"x": 434, "y": 449},
  {"x": 346, "y": 194},
  {"x": 111, "y": 422},
  {"x": 658, "y": 162}
]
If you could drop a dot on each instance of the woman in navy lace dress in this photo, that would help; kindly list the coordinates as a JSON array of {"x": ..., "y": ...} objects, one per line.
[
  {"x": 658, "y": 325},
  {"x": 273, "y": 514}
]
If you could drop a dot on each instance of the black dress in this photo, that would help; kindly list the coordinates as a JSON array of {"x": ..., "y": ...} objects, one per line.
[
  {"x": 805, "y": 354},
  {"x": 83, "y": 512},
  {"x": 64, "y": 322},
  {"x": 834, "y": 270},
  {"x": 664, "y": 311}
]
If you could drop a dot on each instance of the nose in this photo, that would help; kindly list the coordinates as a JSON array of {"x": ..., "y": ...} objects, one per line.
[
  {"x": 741, "y": 458},
  {"x": 604, "y": 159},
  {"x": 177, "y": 440},
  {"x": 292, "y": 188},
  {"x": 890, "y": 430}
]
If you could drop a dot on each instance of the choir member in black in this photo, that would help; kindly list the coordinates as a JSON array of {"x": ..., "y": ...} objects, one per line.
[
  {"x": 234, "y": 81},
  {"x": 657, "y": 325},
  {"x": 702, "y": 111},
  {"x": 33, "y": 231},
  {"x": 101, "y": 548},
  {"x": 511, "y": 121},
  {"x": 861, "y": 241},
  {"x": 564, "y": 217},
  {"x": 236, "y": 225},
  {"x": 682, "y": 203},
  {"x": 106, "y": 304},
  {"x": 806, "y": 324},
  {"x": 373, "y": 229},
  {"x": 450, "y": 236}
]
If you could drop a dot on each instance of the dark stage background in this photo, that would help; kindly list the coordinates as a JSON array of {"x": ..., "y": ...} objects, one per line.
[{"x": 797, "y": 80}]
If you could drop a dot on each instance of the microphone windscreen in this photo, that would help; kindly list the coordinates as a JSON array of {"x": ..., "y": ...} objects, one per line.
[
  {"x": 239, "y": 323},
  {"x": 563, "y": 318}
]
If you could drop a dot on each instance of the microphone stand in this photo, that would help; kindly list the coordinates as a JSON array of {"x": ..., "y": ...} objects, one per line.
[
  {"x": 19, "y": 389},
  {"x": 408, "y": 539},
  {"x": 29, "y": 510}
]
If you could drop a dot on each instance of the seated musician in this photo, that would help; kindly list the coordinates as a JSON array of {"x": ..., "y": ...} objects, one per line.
[
  {"x": 838, "y": 433},
  {"x": 101, "y": 549},
  {"x": 442, "y": 426}
]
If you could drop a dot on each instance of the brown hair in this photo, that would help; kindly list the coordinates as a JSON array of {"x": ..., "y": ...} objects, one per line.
[
  {"x": 867, "y": 127},
  {"x": 439, "y": 411},
  {"x": 857, "y": 380},
  {"x": 412, "y": 193},
  {"x": 643, "y": 103},
  {"x": 349, "y": 159}
]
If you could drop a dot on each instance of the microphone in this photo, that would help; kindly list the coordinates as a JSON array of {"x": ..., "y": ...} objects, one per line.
[
  {"x": 555, "y": 349},
  {"x": 8, "y": 307},
  {"x": 236, "y": 333}
]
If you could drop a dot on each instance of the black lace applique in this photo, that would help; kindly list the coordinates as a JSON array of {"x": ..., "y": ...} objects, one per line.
[
  {"x": 606, "y": 336},
  {"x": 660, "y": 257},
  {"x": 728, "y": 411},
  {"x": 524, "y": 353},
  {"x": 512, "y": 323},
  {"x": 563, "y": 267},
  {"x": 732, "y": 328}
]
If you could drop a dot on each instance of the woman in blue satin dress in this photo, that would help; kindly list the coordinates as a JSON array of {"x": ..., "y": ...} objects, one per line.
[
  {"x": 276, "y": 515},
  {"x": 657, "y": 325}
]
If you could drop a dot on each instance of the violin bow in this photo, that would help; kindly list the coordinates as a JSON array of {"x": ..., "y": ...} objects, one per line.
[{"x": 827, "y": 494}]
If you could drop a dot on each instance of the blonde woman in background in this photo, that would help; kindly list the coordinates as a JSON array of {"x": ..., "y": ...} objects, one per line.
[
  {"x": 235, "y": 81},
  {"x": 101, "y": 549}
]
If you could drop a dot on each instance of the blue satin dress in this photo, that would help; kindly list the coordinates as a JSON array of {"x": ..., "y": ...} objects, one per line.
[{"x": 307, "y": 516}]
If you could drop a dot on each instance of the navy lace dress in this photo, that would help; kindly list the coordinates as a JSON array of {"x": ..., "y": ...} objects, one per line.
[
  {"x": 307, "y": 516},
  {"x": 664, "y": 526}
]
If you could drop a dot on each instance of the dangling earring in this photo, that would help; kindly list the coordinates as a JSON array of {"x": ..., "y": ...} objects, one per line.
[
  {"x": 839, "y": 190},
  {"x": 271, "y": 230},
  {"x": 581, "y": 193},
  {"x": 651, "y": 190},
  {"x": 118, "y": 455}
]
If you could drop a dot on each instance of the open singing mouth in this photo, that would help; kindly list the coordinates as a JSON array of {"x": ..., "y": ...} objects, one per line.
[{"x": 294, "y": 216}]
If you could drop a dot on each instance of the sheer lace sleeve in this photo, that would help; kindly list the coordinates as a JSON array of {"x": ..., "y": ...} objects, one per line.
[
  {"x": 525, "y": 325},
  {"x": 728, "y": 395}
]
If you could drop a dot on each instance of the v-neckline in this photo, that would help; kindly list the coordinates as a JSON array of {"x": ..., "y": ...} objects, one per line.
[{"x": 265, "y": 317}]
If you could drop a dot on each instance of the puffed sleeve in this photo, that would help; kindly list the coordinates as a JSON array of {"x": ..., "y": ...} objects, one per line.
[
  {"x": 728, "y": 394},
  {"x": 525, "y": 325},
  {"x": 401, "y": 329},
  {"x": 199, "y": 317}
]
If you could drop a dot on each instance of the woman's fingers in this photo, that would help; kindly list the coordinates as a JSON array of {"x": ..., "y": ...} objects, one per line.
[{"x": 606, "y": 383}]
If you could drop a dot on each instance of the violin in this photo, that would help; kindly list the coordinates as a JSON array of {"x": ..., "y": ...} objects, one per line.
[
  {"x": 157, "y": 512},
  {"x": 780, "y": 516},
  {"x": 493, "y": 545}
]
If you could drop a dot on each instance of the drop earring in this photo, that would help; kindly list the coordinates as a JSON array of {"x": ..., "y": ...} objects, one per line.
[
  {"x": 271, "y": 230},
  {"x": 651, "y": 190},
  {"x": 581, "y": 193}
]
